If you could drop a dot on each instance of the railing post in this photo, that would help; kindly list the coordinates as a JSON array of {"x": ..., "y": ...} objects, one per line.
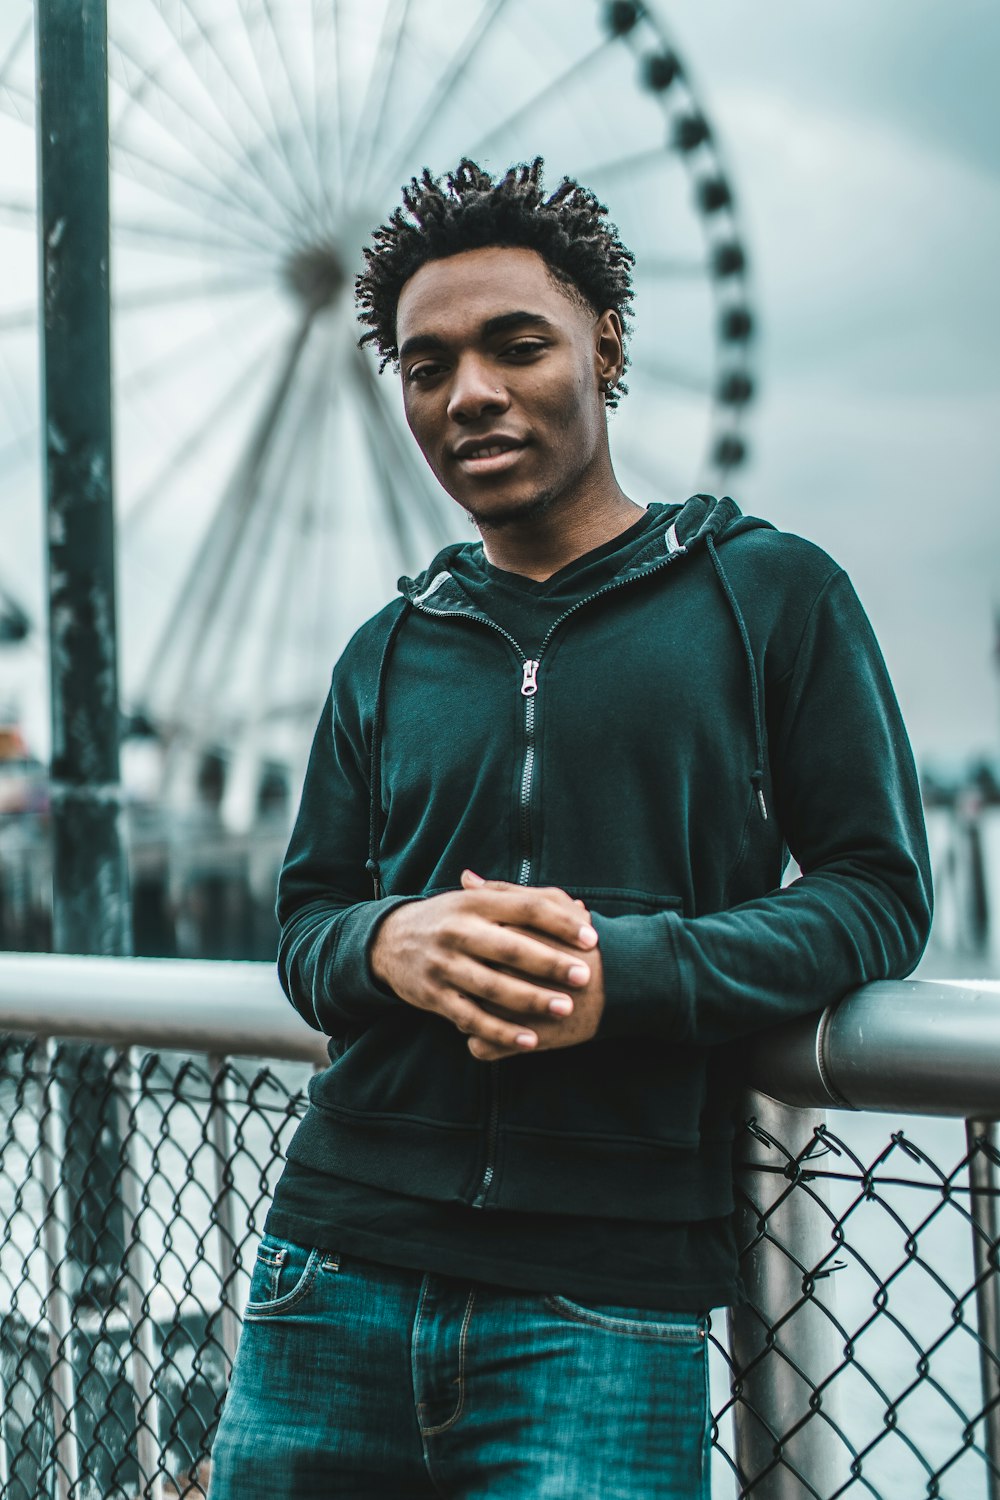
[
  {"x": 229, "y": 1239},
  {"x": 783, "y": 1345},
  {"x": 4, "y": 1470},
  {"x": 145, "y": 1355},
  {"x": 58, "y": 1306},
  {"x": 981, "y": 1138}
]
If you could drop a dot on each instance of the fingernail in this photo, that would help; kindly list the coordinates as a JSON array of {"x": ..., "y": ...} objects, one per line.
[
  {"x": 471, "y": 875},
  {"x": 578, "y": 974},
  {"x": 526, "y": 1039},
  {"x": 588, "y": 937},
  {"x": 561, "y": 1005}
]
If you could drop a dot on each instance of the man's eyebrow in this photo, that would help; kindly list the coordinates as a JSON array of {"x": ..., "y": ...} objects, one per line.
[
  {"x": 429, "y": 343},
  {"x": 422, "y": 343},
  {"x": 506, "y": 321}
]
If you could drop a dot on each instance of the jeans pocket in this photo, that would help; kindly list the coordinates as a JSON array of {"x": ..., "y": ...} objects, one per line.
[
  {"x": 283, "y": 1276},
  {"x": 639, "y": 1322}
]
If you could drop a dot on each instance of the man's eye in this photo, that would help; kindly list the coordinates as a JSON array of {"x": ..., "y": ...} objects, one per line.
[
  {"x": 523, "y": 347},
  {"x": 422, "y": 372}
]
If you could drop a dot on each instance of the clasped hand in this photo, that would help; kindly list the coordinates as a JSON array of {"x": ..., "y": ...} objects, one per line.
[{"x": 514, "y": 968}]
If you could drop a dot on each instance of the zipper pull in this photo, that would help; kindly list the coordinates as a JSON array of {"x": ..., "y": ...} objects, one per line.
[{"x": 529, "y": 685}]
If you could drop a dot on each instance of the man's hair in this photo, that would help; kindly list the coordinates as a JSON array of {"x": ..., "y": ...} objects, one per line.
[{"x": 466, "y": 210}]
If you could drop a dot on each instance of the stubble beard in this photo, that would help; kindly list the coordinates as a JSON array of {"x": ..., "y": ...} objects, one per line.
[{"x": 518, "y": 513}]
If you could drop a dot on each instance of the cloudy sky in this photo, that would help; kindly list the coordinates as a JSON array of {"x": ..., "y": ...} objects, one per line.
[
  {"x": 862, "y": 137},
  {"x": 866, "y": 144}
]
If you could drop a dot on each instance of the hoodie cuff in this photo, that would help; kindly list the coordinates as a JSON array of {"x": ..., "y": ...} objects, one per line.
[
  {"x": 644, "y": 989},
  {"x": 348, "y": 965}
]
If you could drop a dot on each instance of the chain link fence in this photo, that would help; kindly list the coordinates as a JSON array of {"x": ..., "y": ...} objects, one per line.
[{"x": 134, "y": 1186}]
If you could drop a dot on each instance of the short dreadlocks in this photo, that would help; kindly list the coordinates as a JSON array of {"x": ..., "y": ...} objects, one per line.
[{"x": 466, "y": 210}]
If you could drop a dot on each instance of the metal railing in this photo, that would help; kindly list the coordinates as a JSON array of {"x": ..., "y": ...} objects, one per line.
[{"x": 865, "y": 1360}]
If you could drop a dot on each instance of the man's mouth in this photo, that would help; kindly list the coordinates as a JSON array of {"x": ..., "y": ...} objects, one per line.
[{"x": 488, "y": 454}]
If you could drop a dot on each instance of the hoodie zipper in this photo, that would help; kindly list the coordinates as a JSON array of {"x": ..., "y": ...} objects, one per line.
[{"x": 529, "y": 690}]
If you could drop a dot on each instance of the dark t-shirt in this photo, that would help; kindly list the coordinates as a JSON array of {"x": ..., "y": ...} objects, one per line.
[{"x": 688, "y": 1267}]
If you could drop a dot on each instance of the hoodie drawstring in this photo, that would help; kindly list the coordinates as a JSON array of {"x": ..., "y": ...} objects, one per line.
[
  {"x": 757, "y": 774},
  {"x": 375, "y": 824}
]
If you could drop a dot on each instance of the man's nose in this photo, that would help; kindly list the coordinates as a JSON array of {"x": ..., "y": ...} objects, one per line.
[{"x": 475, "y": 391}]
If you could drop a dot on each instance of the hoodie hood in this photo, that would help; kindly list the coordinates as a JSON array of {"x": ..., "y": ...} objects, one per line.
[{"x": 677, "y": 529}]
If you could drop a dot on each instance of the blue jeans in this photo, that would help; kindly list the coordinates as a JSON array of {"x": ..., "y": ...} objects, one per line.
[{"x": 369, "y": 1382}]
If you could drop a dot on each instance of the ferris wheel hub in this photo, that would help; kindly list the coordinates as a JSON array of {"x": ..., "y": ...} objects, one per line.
[{"x": 315, "y": 275}]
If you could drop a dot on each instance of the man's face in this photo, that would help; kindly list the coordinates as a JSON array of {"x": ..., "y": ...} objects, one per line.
[{"x": 502, "y": 372}]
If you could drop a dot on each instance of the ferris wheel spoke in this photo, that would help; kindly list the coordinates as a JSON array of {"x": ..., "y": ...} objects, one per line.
[
  {"x": 191, "y": 444},
  {"x": 551, "y": 89},
  {"x": 338, "y": 62},
  {"x": 264, "y": 69},
  {"x": 373, "y": 113},
  {"x": 157, "y": 238},
  {"x": 18, "y": 211},
  {"x": 625, "y": 166},
  {"x": 191, "y": 615},
  {"x": 15, "y": 101},
  {"x": 387, "y": 489},
  {"x": 19, "y": 451},
  {"x": 320, "y": 91},
  {"x": 458, "y": 66},
  {"x": 676, "y": 378},
  {"x": 20, "y": 38},
  {"x": 244, "y": 575},
  {"x": 19, "y": 393},
  {"x": 141, "y": 298},
  {"x": 146, "y": 171},
  {"x": 252, "y": 113},
  {"x": 149, "y": 90},
  {"x": 302, "y": 549},
  {"x": 394, "y": 445},
  {"x": 203, "y": 676},
  {"x": 671, "y": 268},
  {"x": 165, "y": 363},
  {"x": 17, "y": 104},
  {"x": 18, "y": 318},
  {"x": 293, "y": 98}
]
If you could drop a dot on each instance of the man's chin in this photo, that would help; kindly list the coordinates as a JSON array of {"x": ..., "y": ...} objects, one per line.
[{"x": 497, "y": 513}]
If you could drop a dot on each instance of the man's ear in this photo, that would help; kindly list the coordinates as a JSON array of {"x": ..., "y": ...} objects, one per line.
[{"x": 609, "y": 348}]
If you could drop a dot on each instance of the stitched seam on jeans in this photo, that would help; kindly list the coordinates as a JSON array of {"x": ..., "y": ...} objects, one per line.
[
  {"x": 414, "y": 1345},
  {"x": 462, "y": 1343},
  {"x": 274, "y": 1308},
  {"x": 666, "y": 1333}
]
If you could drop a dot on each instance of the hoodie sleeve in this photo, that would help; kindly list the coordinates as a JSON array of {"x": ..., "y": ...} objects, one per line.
[
  {"x": 847, "y": 800},
  {"x": 325, "y": 907}
]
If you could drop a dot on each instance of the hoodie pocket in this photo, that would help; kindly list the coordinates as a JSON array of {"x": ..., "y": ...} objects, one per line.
[{"x": 619, "y": 901}]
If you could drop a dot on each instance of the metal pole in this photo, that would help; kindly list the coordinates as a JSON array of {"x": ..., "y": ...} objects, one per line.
[
  {"x": 91, "y": 892},
  {"x": 783, "y": 1345},
  {"x": 59, "y": 1308},
  {"x": 984, "y": 1153},
  {"x": 223, "y": 1210},
  {"x": 140, "y": 1272},
  {"x": 90, "y": 889}
]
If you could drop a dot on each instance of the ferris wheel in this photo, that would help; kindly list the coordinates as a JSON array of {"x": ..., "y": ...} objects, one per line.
[{"x": 268, "y": 491}]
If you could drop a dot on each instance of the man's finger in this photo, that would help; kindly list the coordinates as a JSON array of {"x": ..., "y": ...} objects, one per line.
[
  {"x": 486, "y": 1029},
  {"x": 547, "y": 909},
  {"x": 487, "y": 1052}
]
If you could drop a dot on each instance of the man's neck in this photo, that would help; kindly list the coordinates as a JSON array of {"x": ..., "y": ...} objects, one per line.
[{"x": 548, "y": 541}]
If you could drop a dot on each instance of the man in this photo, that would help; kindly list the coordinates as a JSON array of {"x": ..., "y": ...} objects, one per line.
[{"x": 532, "y": 892}]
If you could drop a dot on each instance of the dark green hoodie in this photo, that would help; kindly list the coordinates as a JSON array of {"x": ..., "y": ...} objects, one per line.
[{"x": 719, "y": 701}]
